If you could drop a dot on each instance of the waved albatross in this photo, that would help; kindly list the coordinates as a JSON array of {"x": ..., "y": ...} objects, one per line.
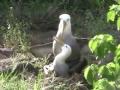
[
  {"x": 64, "y": 34},
  {"x": 59, "y": 65},
  {"x": 67, "y": 61}
]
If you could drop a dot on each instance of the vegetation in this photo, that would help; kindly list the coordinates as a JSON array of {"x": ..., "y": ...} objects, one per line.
[
  {"x": 8, "y": 82},
  {"x": 99, "y": 19},
  {"x": 114, "y": 12},
  {"x": 105, "y": 76}
]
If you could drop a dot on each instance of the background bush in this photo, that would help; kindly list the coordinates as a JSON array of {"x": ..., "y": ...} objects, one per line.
[{"x": 88, "y": 17}]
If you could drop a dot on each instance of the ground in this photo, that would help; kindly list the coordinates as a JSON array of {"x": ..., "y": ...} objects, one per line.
[{"x": 30, "y": 65}]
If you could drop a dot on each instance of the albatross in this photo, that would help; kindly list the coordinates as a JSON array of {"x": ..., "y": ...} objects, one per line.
[
  {"x": 65, "y": 35},
  {"x": 65, "y": 49},
  {"x": 59, "y": 64}
]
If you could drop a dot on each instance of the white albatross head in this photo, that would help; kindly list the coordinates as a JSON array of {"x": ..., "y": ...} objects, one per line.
[
  {"x": 66, "y": 49},
  {"x": 65, "y": 17},
  {"x": 64, "y": 25}
]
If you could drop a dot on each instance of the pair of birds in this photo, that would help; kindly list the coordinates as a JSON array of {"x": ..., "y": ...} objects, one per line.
[{"x": 65, "y": 49}]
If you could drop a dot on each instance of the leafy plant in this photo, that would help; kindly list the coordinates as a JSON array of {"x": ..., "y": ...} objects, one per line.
[
  {"x": 90, "y": 73},
  {"x": 104, "y": 77},
  {"x": 117, "y": 55},
  {"x": 102, "y": 44},
  {"x": 104, "y": 84},
  {"x": 114, "y": 14},
  {"x": 15, "y": 35}
]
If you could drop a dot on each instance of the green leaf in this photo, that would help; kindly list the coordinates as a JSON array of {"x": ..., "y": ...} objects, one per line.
[
  {"x": 111, "y": 15},
  {"x": 113, "y": 7},
  {"x": 93, "y": 44},
  {"x": 118, "y": 23},
  {"x": 117, "y": 59},
  {"x": 102, "y": 44},
  {"x": 113, "y": 70},
  {"x": 111, "y": 66},
  {"x": 117, "y": 55},
  {"x": 104, "y": 84},
  {"x": 103, "y": 72},
  {"x": 90, "y": 73}
]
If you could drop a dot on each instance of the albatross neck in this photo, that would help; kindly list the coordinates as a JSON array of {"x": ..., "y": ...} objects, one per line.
[
  {"x": 64, "y": 30},
  {"x": 61, "y": 57}
]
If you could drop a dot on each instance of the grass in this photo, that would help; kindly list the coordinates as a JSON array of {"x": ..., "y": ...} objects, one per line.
[
  {"x": 12, "y": 83},
  {"x": 8, "y": 82},
  {"x": 24, "y": 80},
  {"x": 27, "y": 81}
]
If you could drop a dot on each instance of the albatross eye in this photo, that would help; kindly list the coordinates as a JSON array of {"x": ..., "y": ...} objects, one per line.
[
  {"x": 67, "y": 20},
  {"x": 66, "y": 46}
]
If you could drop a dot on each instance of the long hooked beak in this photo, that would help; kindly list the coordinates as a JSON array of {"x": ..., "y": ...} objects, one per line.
[
  {"x": 64, "y": 25},
  {"x": 60, "y": 39}
]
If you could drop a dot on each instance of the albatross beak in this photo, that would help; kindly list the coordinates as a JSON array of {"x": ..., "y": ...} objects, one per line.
[
  {"x": 64, "y": 24},
  {"x": 60, "y": 34},
  {"x": 62, "y": 38}
]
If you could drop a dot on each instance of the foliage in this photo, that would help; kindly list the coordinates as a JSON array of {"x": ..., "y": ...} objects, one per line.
[
  {"x": 14, "y": 38},
  {"x": 100, "y": 45},
  {"x": 104, "y": 84},
  {"x": 15, "y": 34},
  {"x": 90, "y": 73},
  {"x": 104, "y": 77},
  {"x": 117, "y": 54},
  {"x": 114, "y": 14}
]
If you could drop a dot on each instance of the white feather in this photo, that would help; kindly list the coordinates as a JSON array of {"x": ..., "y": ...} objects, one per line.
[
  {"x": 64, "y": 17},
  {"x": 64, "y": 31}
]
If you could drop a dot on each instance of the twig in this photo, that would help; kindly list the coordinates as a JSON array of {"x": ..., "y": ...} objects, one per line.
[
  {"x": 82, "y": 38},
  {"x": 41, "y": 45}
]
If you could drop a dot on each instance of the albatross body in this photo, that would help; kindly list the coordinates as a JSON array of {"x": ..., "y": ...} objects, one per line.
[
  {"x": 64, "y": 34},
  {"x": 59, "y": 63},
  {"x": 66, "y": 50}
]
